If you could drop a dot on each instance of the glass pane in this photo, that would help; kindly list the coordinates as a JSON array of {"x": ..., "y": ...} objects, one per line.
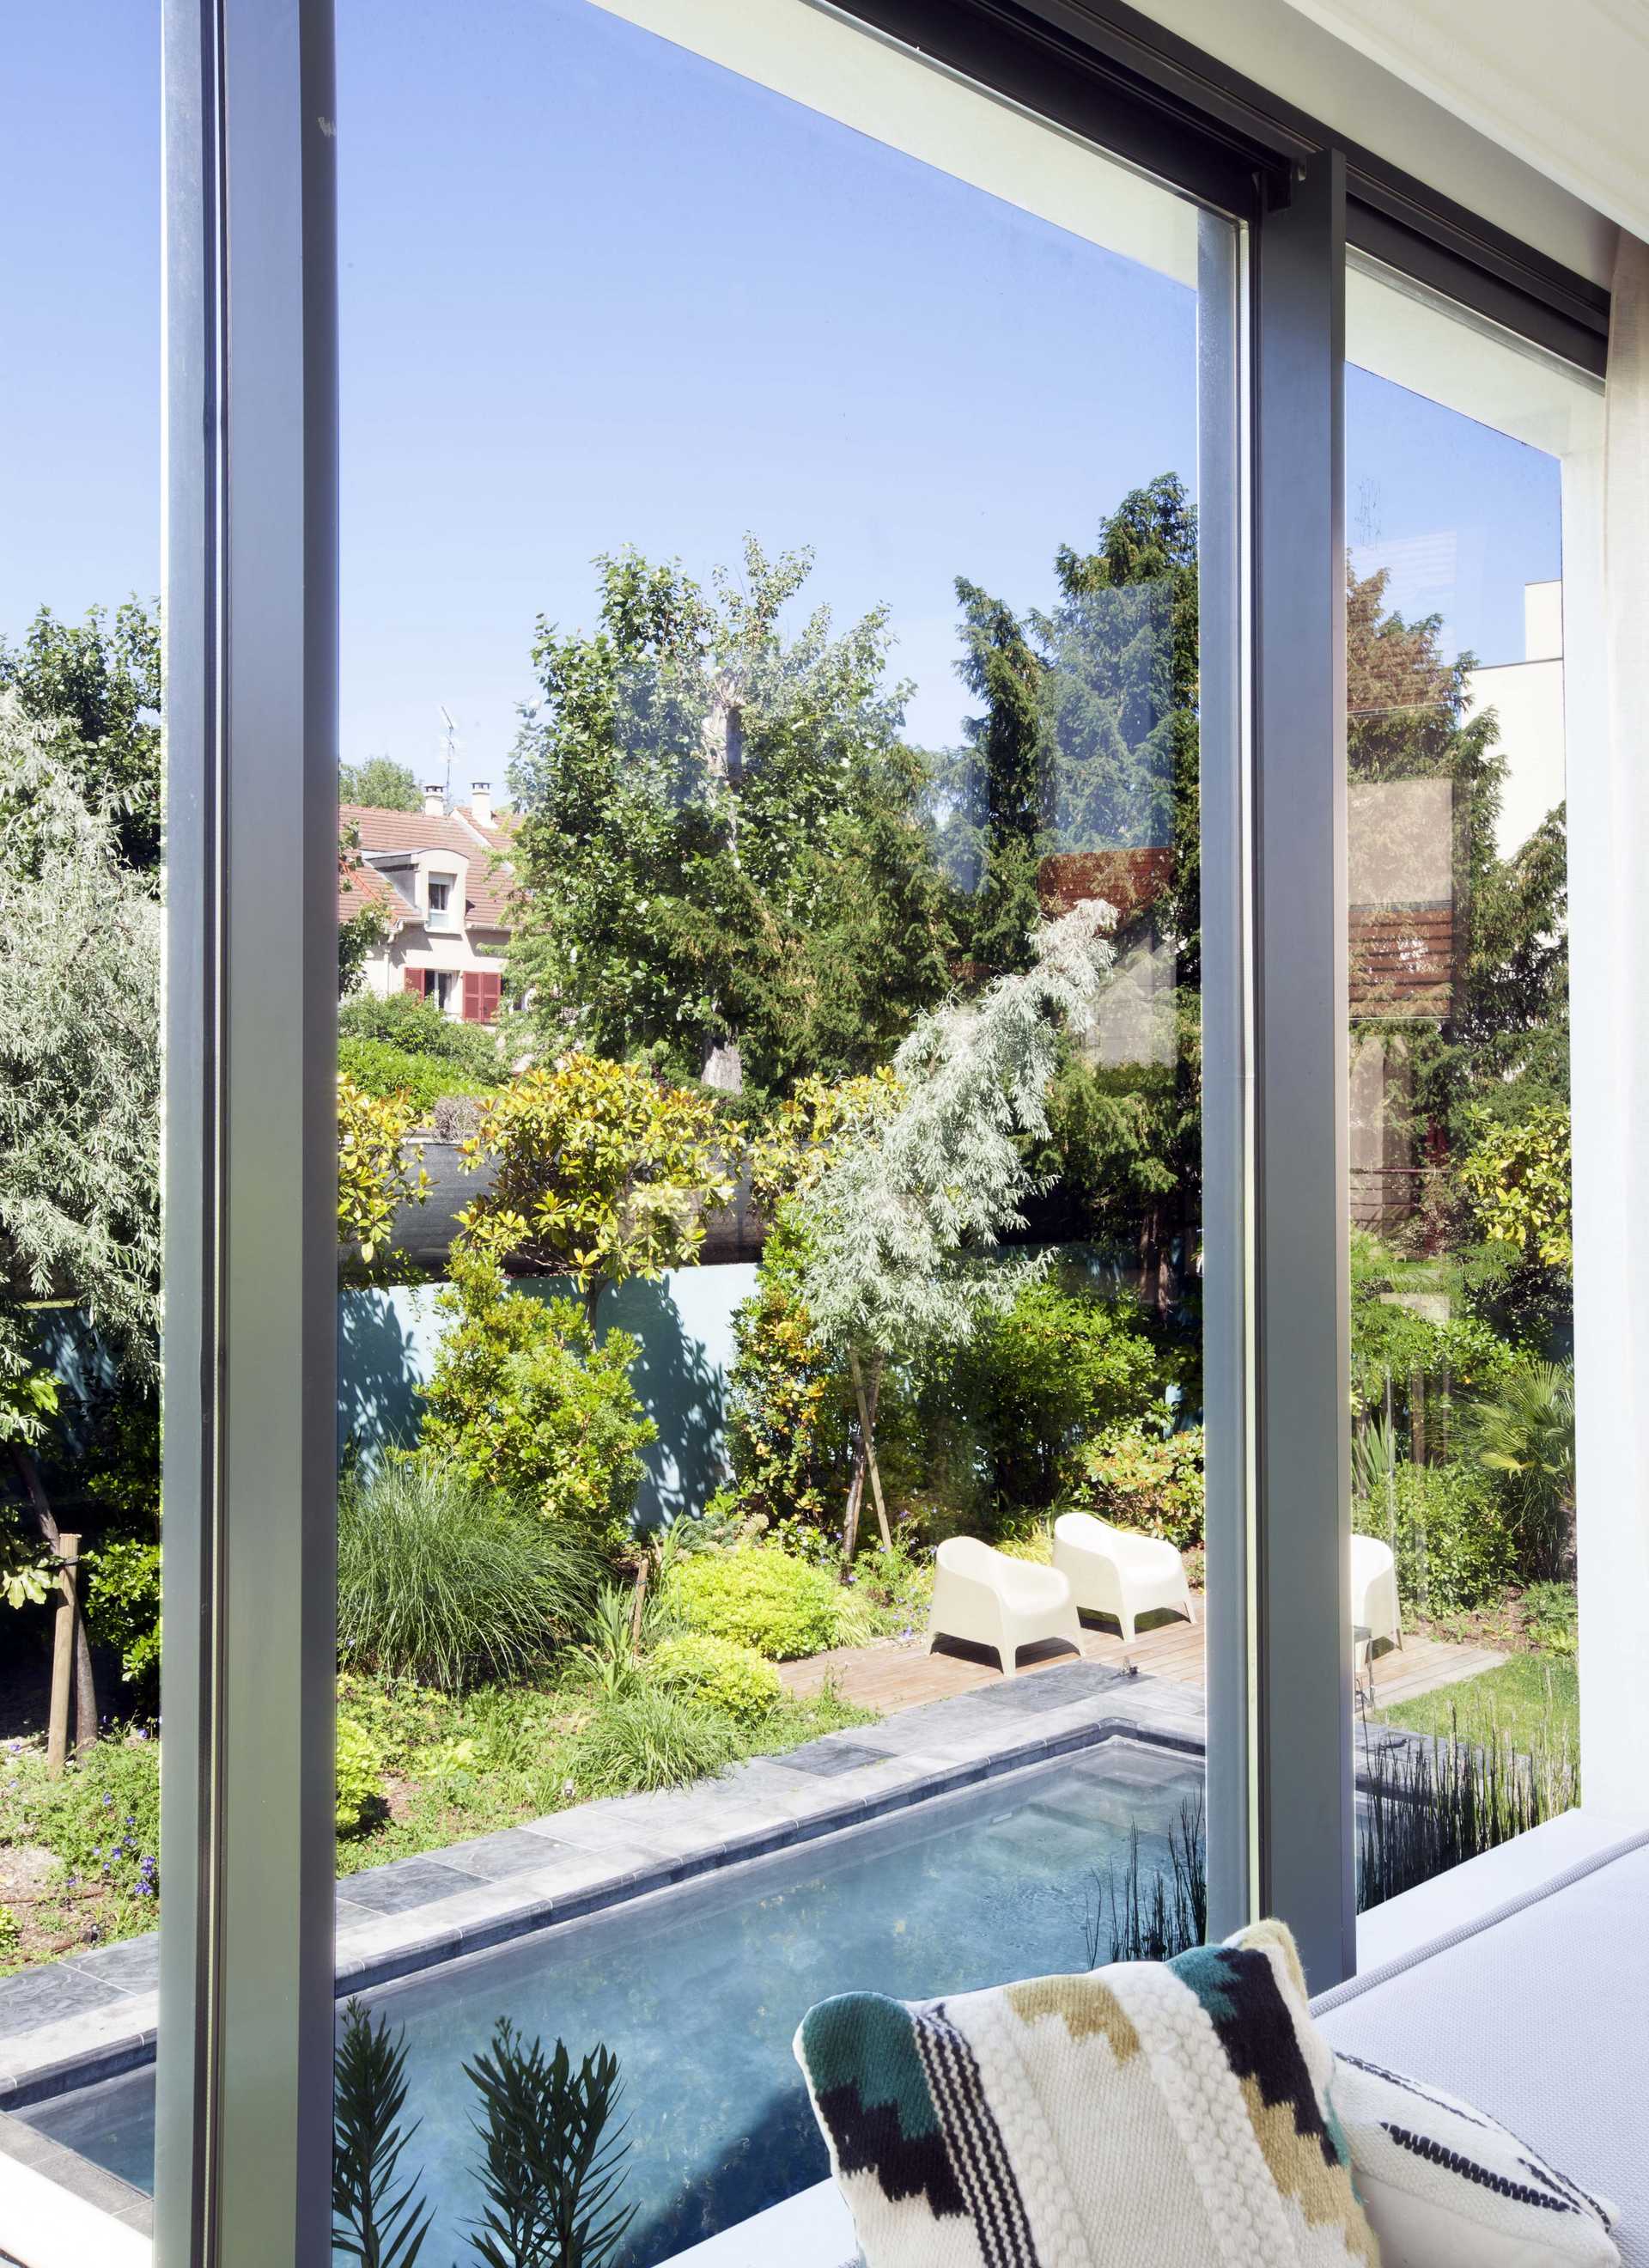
[
  {"x": 80, "y": 929},
  {"x": 770, "y": 1054},
  {"x": 1463, "y": 1566}
]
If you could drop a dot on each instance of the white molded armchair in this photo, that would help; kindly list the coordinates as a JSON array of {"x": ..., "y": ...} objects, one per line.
[
  {"x": 1374, "y": 1607},
  {"x": 1112, "y": 1571},
  {"x": 987, "y": 1598}
]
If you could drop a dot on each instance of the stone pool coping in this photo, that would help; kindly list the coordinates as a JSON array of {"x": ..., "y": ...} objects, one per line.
[{"x": 93, "y": 2016}]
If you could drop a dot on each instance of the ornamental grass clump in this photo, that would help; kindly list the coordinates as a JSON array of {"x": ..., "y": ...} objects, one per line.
[
  {"x": 648, "y": 1738},
  {"x": 1432, "y": 1804},
  {"x": 441, "y": 1580}
]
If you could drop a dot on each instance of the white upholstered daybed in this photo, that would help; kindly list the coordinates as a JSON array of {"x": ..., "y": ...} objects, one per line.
[{"x": 1529, "y": 1998}]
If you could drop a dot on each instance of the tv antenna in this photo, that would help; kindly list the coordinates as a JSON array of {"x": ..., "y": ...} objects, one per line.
[{"x": 451, "y": 738}]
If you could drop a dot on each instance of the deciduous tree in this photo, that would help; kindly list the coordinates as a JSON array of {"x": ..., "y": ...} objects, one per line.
[
  {"x": 603, "y": 1172},
  {"x": 900, "y": 1233},
  {"x": 721, "y": 845}
]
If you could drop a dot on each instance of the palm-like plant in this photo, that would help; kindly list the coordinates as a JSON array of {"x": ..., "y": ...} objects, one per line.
[
  {"x": 373, "y": 2220},
  {"x": 1524, "y": 1431},
  {"x": 551, "y": 2170}
]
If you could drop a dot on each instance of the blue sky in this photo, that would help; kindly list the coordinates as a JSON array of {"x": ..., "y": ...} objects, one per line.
[{"x": 596, "y": 289}]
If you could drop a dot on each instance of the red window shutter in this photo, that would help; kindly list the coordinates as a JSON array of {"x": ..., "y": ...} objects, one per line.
[
  {"x": 471, "y": 995},
  {"x": 491, "y": 986},
  {"x": 414, "y": 980}
]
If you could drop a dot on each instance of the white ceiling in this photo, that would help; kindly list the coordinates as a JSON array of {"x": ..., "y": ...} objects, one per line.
[{"x": 1566, "y": 86}]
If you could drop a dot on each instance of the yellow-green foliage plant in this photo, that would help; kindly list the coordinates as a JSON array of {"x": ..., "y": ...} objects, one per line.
[
  {"x": 759, "y": 1597},
  {"x": 718, "y": 1672},
  {"x": 358, "y": 1777},
  {"x": 375, "y": 1176},
  {"x": 602, "y": 1173}
]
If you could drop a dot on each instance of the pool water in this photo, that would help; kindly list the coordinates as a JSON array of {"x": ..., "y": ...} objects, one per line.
[{"x": 698, "y": 1989}]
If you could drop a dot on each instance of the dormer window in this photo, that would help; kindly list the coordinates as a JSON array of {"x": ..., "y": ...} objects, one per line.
[{"x": 443, "y": 910}]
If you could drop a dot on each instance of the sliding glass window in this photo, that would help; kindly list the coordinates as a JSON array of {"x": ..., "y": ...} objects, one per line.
[
  {"x": 1467, "y": 463},
  {"x": 771, "y": 1530},
  {"x": 82, "y": 902},
  {"x": 867, "y": 1249}
]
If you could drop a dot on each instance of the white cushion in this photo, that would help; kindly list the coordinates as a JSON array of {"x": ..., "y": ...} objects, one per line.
[{"x": 1445, "y": 2187}]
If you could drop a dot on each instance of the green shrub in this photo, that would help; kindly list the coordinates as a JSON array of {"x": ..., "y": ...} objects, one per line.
[
  {"x": 102, "y": 1819},
  {"x": 123, "y": 1605},
  {"x": 441, "y": 1580},
  {"x": 358, "y": 1778},
  {"x": 1453, "y": 1546},
  {"x": 1143, "y": 1481},
  {"x": 525, "y": 1398},
  {"x": 1551, "y": 1617},
  {"x": 1063, "y": 1365},
  {"x": 787, "y": 1402},
  {"x": 761, "y": 1597},
  {"x": 718, "y": 1672},
  {"x": 648, "y": 1738},
  {"x": 380, "y": 1070},
  {"x": 413, "y": 1026}
]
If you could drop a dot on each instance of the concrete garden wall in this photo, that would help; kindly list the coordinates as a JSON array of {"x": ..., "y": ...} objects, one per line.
[{"x": 388, "y": 1341}]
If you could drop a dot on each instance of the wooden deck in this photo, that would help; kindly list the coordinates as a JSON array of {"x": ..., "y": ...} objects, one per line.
[{"x": 900, "y": 1674}]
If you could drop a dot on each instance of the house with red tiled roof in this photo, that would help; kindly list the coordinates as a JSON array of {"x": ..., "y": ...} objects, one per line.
[{"x": 442, "y": 881}]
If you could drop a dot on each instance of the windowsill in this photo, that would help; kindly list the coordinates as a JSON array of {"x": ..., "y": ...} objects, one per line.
[{"x": 1466, "y": 1893}]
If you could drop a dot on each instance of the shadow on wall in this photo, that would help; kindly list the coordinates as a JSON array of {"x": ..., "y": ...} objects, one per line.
[
  {"x": 681, "y": 1377},
  {"x": 379, "y": 1367},
  {"x": 386, "y": 1348}
]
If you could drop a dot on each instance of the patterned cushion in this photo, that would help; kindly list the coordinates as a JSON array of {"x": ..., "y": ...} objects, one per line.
[
  {"x": 1446, "y": 2187},
  {"x": 1147, "y": 2116}
]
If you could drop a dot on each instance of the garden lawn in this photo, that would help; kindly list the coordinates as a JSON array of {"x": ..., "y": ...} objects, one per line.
[
  {"x": 1534, "y": 1699},
  {"x": 77, "y": 1857}
]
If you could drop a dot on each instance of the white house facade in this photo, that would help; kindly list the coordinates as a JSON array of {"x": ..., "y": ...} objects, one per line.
[{"x": 442, "y": 881}]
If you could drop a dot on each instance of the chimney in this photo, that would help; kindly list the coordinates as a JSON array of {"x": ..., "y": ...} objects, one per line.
[
  {"x": 481, "y": 802},
  {"x": 434, "y": 801}
]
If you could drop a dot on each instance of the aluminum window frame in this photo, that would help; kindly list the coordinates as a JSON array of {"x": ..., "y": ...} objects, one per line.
[{"x": 244, "y": 2047}]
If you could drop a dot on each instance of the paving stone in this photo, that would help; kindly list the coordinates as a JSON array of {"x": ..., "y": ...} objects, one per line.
[
  {"x": 132, "y": 1966},
  {"x": 1052, "y": 1689},
  {"x": 830, "y": 1756},
  {"x": 398, "y": 1889},
  {"x": 46, "y": 1996},
  {"x": 513, "y": 1850}
]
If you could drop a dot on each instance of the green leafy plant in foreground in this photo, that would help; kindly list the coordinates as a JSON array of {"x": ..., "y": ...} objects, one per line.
[
  {"x": 718, "y": 1672},
  {"x": 551, "y": 2170},
  {"x": 373, "y": 2222},
  {"x": 761, "y": 1597}
]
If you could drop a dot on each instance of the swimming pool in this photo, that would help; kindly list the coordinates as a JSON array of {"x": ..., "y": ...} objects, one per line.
[{"x": 698, "y": 1989}]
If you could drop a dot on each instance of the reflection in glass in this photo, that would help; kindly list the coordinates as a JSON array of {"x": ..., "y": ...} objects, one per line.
[
  {"x": 1463, "y": 1373},
  {"x": 81, "y": 912}
]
